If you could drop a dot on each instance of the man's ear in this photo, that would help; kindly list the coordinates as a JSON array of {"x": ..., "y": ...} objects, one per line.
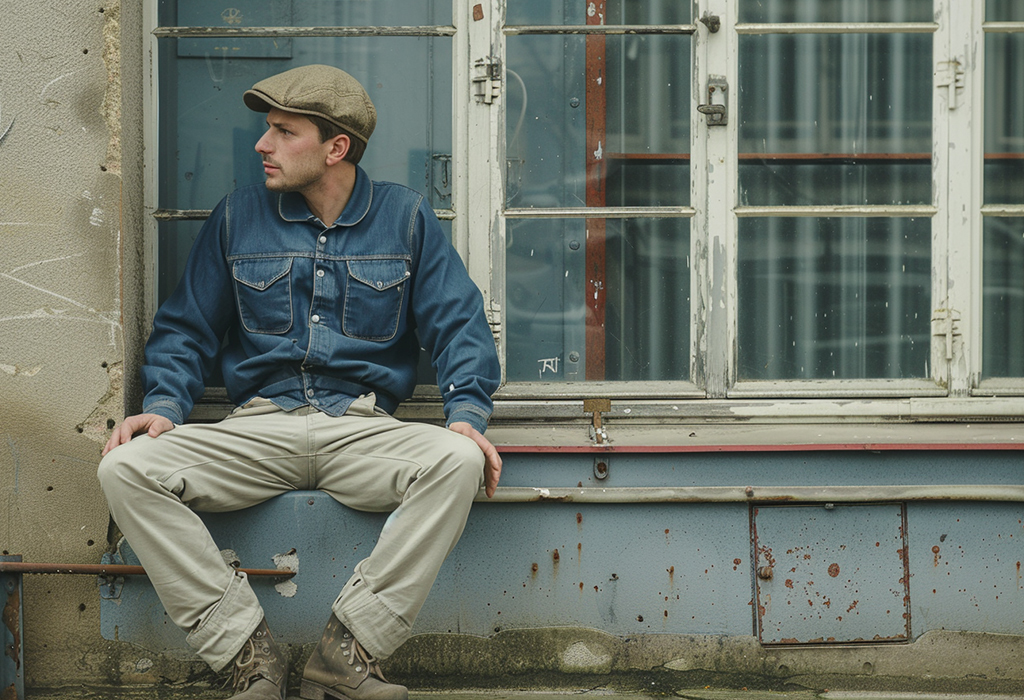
[{"x": 339, "y": 147}]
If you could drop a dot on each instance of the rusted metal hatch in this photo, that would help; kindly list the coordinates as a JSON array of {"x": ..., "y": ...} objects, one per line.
[{"x": 831, "y": 573}]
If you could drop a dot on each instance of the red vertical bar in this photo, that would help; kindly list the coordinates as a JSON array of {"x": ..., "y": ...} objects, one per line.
[{"x": 596, "y": 106}]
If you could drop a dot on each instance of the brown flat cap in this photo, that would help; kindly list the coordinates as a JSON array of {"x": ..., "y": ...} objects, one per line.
[{"x": 318, "y": 90}]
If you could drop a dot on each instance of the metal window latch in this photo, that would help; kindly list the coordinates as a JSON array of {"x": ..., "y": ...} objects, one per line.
[
  {"x": 950, "y": 75},
  {"x": 597, "y": 406},
  {"x": 718, "y": 114},
  {"x": 712, "y": 22},
  {"x": 487, "y": 79}
]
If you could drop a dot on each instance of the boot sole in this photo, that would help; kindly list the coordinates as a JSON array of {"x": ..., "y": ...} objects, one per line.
[{"x": 314, "y": 691}]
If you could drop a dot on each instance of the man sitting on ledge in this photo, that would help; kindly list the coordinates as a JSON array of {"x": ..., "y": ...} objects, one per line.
[{"x": 324, "y": 285}]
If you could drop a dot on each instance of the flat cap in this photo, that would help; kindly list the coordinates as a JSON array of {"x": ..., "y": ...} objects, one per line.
[{"x": 317, "y": 90}]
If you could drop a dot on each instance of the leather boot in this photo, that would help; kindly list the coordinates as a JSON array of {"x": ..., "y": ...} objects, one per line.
[
  {"x": 260, "y": 669},
  {"x": 341, "y": 669}
]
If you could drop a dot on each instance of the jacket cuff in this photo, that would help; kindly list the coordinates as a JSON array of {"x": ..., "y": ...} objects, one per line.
[
  {"x": 468, "y": 413},
  {"x": 166, "y": 408}
]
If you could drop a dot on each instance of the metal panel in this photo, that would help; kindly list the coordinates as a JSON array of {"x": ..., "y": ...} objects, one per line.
[
  {"x": 12, "y": 632},
  {"x": 672, "y": 568},
  {"x": 828, "y": 573}
]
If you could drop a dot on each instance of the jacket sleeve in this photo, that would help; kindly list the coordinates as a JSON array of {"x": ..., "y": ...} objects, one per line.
[
  {"x": 189, "y": 326},
  {"x": 449, "y": 314}
]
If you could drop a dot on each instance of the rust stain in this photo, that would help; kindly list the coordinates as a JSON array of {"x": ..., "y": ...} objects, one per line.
[
  {"x": 639, "y": 618},
  {"x": 581, "y": 586},
  {"x": 790, "y": 640},
  {"x": 935, "y": 551},
  {"x": 579, "y": 518},
  {"x": 807, "y": 557},
  {"x": 789, "y": 583},
  {"x": 672, "y": 574},
  {"x": 478, "y": 12},
  {"x": 533, "y": 570},
  {"x": 666, "y": 613},
  {"x": 556, "y": 556},
  {"x": 833, "y": 570},
  {"x": 852, "y": 606},
  {"x": 9, "y": 693}
]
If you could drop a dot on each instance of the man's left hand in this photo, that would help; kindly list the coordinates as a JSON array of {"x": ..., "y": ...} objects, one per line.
[{"x": 492, "y": 461}]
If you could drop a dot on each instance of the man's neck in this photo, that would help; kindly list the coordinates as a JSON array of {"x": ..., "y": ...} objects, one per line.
[{"x": 328, "y": 197}]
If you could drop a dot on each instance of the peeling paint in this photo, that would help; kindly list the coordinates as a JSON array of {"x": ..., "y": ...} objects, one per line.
[{"x": 289, "y": 561}]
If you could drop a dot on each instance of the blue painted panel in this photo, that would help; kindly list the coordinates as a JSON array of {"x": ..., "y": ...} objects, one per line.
[
  {"x": 661, "y": 568},
  {"x": 965, "y": 566},
  {"x": 837, "y": 573}
]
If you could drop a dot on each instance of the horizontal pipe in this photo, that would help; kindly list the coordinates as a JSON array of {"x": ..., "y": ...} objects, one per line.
[
  {"x": 296, "y": 32},
  {"x": 605, "y": 29},
  {"x": 19, "y": 567},
  {"x": 866, "y": 210},
  {"x": 839, "y": 28},
  {"x": 203, "y": 214},
  {"x": 757, "y": 494},
  {"x": 600, "y": 212}
]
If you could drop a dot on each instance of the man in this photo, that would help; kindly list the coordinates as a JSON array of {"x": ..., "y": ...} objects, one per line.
[{"x": 321, "y": 286}]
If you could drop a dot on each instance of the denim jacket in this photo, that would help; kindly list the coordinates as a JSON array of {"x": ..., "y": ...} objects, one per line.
[{"x": 302, "y": 313}]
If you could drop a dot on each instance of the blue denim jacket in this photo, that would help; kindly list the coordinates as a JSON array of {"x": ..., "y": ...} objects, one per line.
[{"x": 318, "y": 315}]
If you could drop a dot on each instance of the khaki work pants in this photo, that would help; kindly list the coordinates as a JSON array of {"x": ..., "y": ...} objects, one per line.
[{"x": 365, "y": 459}]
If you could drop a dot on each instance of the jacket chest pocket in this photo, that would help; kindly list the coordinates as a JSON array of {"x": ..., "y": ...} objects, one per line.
[
  {"x": 373, "y": 298},
  {"x": 263, "y": 290}
]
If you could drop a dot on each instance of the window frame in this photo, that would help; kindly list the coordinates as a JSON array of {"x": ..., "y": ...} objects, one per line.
[{"x": 478, "y": 215}]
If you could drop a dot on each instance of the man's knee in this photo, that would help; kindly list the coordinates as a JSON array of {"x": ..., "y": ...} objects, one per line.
[
  {"x": 120, "y": 468},
  {"x": 465, "y": 458}
]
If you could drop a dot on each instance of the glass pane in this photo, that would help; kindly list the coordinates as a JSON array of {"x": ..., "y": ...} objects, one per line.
[
  {"x": 835, "y": 119},
  {"x": 1004, "y": 10},
  {"x": 838, "y": 298},
  {"x": 207, "y": 135},
  {"x": 1004, "y": 118},
  {"x": 303, "y": 13},
  {"x": 836, "y": 11},
  {"x": 598, "y": 299},
  {"x": 572, "y": 12},
  {"x": 632, "y": 116},
  {"x": 1003, "y": 324}
]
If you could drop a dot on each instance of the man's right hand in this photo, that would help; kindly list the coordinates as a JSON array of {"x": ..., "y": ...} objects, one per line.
[{"x": 150, "y": 423}]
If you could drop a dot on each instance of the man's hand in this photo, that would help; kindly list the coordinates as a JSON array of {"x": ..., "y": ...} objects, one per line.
[
  {"x": 150, "y": 423},
  {"x": 492, "y": 461}
]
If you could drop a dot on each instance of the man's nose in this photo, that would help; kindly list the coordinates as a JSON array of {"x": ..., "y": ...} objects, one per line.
[{"x": 262, "y": 146}]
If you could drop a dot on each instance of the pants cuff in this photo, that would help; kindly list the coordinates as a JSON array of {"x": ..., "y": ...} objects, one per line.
[
  {"x": 377, "y": 628},
  {"x": 223, "y": 631}
]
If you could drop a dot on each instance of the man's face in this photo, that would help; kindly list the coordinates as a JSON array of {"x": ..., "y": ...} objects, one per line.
[{"x": 293, "y": 156}]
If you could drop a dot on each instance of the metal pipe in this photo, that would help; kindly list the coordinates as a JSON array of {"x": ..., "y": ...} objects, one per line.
[
  {"x": 866, "y": 210},
  {"x": 600, "y": 29},
  {"x": 839, "y": 28},
  {"x": 759, "y": 494},
  {"x": 600, "y": 212},
  {"x": 17, "y": 567},
  {"x": 296, "y": 32}
]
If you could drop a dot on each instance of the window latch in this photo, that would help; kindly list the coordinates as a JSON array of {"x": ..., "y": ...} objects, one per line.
[
  {"x": 718, "y": 114},
  {"x": 950, "y": 75},
  {"x": 487, "y": 79},
  {"x": 597, "y": 406}
]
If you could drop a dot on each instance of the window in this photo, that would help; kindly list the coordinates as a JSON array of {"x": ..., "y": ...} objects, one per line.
[{"x": 772, "y": 201}]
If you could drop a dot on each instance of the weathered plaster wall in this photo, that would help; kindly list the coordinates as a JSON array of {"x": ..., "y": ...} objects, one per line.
[{"x": 61, "y": 345}]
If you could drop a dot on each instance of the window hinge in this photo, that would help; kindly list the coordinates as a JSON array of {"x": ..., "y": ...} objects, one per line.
[
  {"x": 950, "y": 75},
  {"x": 945, "y": 324},
  {"x": 487, "y": 79},
  {"x": 598, "y": 433}
]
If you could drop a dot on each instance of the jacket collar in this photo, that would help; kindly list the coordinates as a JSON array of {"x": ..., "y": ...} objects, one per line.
[{"x": 292, "y": 206}]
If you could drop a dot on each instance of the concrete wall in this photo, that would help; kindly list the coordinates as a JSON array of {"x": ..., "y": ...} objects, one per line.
[{"x": 61, "y": 316}]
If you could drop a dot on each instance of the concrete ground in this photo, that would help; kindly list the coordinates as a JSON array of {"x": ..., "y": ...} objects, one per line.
[{"x": 708, "y": 693}]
